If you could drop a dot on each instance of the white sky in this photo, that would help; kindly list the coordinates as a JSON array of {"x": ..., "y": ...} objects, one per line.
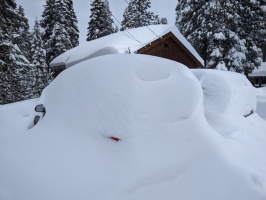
[{"x": 33, "y": 8}]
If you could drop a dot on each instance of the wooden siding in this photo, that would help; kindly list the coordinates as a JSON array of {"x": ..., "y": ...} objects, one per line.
[
  {"x": 58, "y": 70},
  {"x": 171, "y": 48}
]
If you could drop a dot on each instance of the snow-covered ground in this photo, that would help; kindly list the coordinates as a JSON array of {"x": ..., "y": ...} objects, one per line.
[
  {"x": 182, "y": 135},
  {"x": 261, "y": 71},
  {"x": 261, "y": 98}
]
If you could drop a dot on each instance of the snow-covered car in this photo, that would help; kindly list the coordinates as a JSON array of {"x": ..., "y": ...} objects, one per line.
[{"x": 181, "y": 136}]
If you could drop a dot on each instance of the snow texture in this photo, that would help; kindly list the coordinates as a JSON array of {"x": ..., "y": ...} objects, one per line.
[
  {"x": 261, "y": 98},
  {"x": 122, "y": 42},
  {"x": 167, "y": 148},
  {"x": 226, "y": 92},
  {"x": 221, "y": 66}
]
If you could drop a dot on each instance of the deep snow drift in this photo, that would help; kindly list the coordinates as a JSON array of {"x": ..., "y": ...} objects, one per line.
[
  {"x": 261, "y": 100},
  {"x": 167, "y": 148},
  {"x": 226, "y": 92},
  {"x": 228, "y": 97},
  {"x": 261, "y": 71}
]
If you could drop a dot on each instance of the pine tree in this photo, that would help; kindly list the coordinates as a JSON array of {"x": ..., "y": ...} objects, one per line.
[
  {"x": 101, "y": 22},
  {"x": 216, "y": 29},
  {"x": 187, "y": 15},
  {"x": 60, "y": 33},
  {"x": 224, "y": 39},
  {"x": 47, "y": 23},
  {"x": 137, "y": 15},
  {"x": 72, "y": 21},
  {"x": 24, "y": 33},
  {"x": 263, "y": 45},
  {"x": 192, "y": 21},
  {"x": 14, "y": 67},
  {"x": 253, "y": 30},
  {"x": 41, "y": 75},
  {"x": 163, "y": 20}
]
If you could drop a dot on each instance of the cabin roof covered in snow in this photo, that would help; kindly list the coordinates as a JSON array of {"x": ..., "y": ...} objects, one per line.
[
  {"x": 128, "y": 41},
  {"x": 261, "y": 71}
]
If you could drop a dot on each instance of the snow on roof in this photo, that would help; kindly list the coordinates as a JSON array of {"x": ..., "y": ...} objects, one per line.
[
  {"x": 261, "y": 71},
  {"x": 128, "y": 41}
]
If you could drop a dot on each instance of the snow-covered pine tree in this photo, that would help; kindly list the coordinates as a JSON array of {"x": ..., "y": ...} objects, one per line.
[
  {"x": 40, "y": 73},
  {"x": 263, "y": 45},
  {"x": 216, "y": 37},
  {"x": 163, "y": 20},
  {"x": 24, "y": 32},
  {"x": 47, "y": 23},
  {"x": 137, "y": 14},
  {"x": 59, "y": 36},
  {"x": 186, "y": 14},
  {"x": 14, "y": 67},
  {"x": 224, "y": 43},
  {"x": 157, "y": 20},
  {"x": 252, "y": 30},
  {"x": 211, "y": 26},
  {"x": 101, "y": 22},
  {"x": 192, "y": 18},
  {"x": 73, "y": 24}
]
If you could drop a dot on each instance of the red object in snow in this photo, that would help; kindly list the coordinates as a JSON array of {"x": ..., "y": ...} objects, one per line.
[{"x": 114, "y": 138}]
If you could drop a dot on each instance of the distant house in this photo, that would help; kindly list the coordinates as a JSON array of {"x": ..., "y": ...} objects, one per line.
[
  {"x": 258, "y": 76},
  {"x": 157, "y": 40}
]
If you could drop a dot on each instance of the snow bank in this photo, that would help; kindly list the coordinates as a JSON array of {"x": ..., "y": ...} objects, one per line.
[
  {"x": 261, "y": 92},
  {"x": 165, "y": 150},
  {"x": 261, "y": 101},
  {"x": 141, "y": 100},
  {"x": 125, "y": 83},
  {"x": 227, "y": 98},
  {"x": 226, "y": 92},
  {"x": 261, "y": 71},
  {"x": 122, "y": 42},
  {"x": 17, "y": 116}
]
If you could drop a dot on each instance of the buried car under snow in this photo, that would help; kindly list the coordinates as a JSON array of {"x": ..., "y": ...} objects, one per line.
[{"x": 167, "y": 148}]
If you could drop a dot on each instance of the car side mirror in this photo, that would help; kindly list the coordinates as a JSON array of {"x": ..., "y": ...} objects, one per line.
[{"x": 40, "y": 108}]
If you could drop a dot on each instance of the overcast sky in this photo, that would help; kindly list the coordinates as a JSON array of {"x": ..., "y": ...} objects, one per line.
[{"x": 33, "y": 8}]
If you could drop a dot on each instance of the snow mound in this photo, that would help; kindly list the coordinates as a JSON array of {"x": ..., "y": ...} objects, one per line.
[
  {"x": 114, "y": 123},
  {"x": 228, "y": 97},
  {"x": 106, "y": 88},
  {"x": 261, "y": 71},
  {"x": 127, "y": 127},
  {"x": 226, "y": 92},
  {"x": 19, "y": 115},
  {"x": 261, "y": 92},
  {"x": 261, "y": 101}
]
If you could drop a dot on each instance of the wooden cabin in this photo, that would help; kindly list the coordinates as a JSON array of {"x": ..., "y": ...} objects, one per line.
[
  {"x": 168, "y": 46},
  {"x": 157, "y": 40}
]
